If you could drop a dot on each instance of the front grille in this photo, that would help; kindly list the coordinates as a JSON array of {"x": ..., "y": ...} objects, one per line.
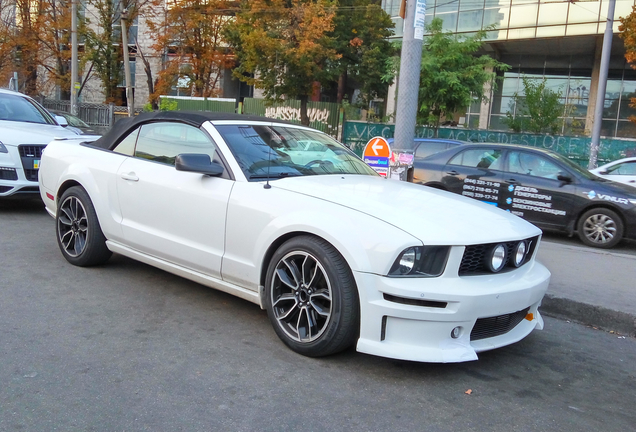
[
  {"x": 8, "y": 174},
  {"x": 474, "y": 259},
  {"x": 29, "y": 153},
  {"x": 32, "y": 151},
  {"x": 31, "y": 174},
  {"x": 496, "y": 326}
]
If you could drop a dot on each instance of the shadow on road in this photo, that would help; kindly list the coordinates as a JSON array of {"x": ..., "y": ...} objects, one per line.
[{"x": 22, "y": 205}]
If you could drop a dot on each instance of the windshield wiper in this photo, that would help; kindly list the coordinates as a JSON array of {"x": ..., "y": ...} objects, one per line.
[{"x": 273, "y": 175}]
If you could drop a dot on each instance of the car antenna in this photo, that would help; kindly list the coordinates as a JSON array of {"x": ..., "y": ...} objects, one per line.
[{"x": 269, "y": 160}]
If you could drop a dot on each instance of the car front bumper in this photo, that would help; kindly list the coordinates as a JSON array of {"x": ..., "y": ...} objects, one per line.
[
  {"x": 13, "y": 178},
  {"x": 422, "y": 331}
]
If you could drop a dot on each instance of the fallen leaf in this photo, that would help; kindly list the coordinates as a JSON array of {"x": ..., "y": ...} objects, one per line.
[{"x": 469, "y": 391}]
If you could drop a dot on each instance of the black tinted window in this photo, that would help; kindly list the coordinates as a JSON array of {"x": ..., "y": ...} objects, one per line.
[
  {"x": 478, "y": 158},
  {"x": 532, "y": 164},
  {"x": 429, "y": 148}
]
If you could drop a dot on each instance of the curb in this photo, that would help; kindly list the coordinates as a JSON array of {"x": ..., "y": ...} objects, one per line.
[{"x": 586, "y": 314}]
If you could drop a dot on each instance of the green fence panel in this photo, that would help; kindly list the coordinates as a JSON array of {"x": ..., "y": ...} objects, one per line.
[
  {"x": 200, "y": 104},
  {"x": 356, "y": 135},
  {"x": 322, "y": 115}
]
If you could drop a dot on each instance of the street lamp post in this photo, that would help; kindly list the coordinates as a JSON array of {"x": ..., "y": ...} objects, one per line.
[{"x": 74, "y": 66}]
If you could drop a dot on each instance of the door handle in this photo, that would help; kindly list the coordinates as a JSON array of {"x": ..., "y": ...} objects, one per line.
[
  {"x": 512, "y": 181},
  {"x": 452, "y": 172},
  {"x": 130, "y": 176}
]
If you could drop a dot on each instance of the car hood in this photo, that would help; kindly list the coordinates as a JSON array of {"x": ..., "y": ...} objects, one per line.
[
  {"x": 15, "y": 133},
  {"x": 433, "y": 216}
]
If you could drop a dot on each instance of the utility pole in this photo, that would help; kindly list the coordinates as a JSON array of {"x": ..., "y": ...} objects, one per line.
[
  {"x": 124, "y": 41},
  {"x": 74, "y": 65},
  {"x": 602, "y": 86},
  {"x": 409, "y": 77}
]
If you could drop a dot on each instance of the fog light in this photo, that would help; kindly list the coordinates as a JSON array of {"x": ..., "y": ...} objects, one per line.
[
  {"x": 497, "y": 258},
  {"x": 519, "y": 254},
  {"x": 455, "y": 332}
]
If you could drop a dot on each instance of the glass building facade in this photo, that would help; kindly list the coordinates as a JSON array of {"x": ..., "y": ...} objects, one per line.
[{"x": 525, "y": 36}]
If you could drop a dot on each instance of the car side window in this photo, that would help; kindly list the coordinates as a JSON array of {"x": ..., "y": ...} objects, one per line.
[
  {"x": 532, "y": 164},
  {"x": 127, "y": 145},
  {"x": 162, "y": 142},
  {"x": 429, "y": 148},
  {"x": 627, "y": 168},
  {"x": 478, "y": 158}
]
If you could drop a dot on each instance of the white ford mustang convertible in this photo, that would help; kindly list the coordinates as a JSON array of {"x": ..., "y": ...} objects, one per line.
[{"x": 336, "y": 254}]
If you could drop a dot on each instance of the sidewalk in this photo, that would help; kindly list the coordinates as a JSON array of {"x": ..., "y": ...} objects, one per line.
[{"x": 591, "y": 286}]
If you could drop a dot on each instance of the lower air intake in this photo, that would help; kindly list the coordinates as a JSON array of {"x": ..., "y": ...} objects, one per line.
[{"x": 496, "y": 326}]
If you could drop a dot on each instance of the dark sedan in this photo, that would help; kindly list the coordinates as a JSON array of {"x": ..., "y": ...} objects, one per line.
[{"x": 538, "y": 185}]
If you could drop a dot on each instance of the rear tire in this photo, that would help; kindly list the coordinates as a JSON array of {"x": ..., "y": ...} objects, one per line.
[
  {"x": 600, "y": 228},
  {"x": 311, "y": 297},
  {"x": 78, "y": 233}
]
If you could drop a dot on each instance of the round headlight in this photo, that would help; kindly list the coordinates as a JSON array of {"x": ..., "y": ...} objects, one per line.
[
  {"x": 497, "y": 258},
  {"x": 519, "y": 255}
]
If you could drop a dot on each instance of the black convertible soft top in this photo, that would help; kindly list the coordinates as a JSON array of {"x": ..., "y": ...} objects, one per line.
[{"x": 194, "y": 118}]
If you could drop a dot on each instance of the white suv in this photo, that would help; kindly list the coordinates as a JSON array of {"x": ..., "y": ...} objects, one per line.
[{"x": 25, "y": 129}]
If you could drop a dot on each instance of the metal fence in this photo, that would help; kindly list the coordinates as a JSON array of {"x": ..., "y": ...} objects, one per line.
[
  {"x": 100, "y": 115},
  {"x": 356, "y": 135}
]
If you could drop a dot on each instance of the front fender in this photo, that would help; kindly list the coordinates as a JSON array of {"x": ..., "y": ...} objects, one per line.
[{"x": 367, "y": 244}]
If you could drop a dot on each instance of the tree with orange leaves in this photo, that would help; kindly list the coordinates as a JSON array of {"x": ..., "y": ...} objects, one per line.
[
  {"x": 628, "y": 34},
  {"x": 35, "y": 42},
  {"x": 191, "y": 36},
  {"x": 283, "y": 47}
]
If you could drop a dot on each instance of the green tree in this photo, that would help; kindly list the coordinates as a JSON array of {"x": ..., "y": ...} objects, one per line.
[
  {"x": 361, "y": 32},
  {"x": 104, "y": 40},
  {"x": 283, "y": 47},
  {"x": 537, "y": 111},
  {"x": 452, "y": 77}
]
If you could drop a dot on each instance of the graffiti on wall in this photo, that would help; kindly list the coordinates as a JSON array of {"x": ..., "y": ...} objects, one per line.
[
  {"x": 293, "y": 114},
  {"x": 357, "y": 134}
]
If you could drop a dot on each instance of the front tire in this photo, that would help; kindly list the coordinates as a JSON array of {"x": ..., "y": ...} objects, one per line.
[
  {"x": 78, "y": 233},
  {"x": 311, "y": 297},
  {"x": 601, "y": 228}
]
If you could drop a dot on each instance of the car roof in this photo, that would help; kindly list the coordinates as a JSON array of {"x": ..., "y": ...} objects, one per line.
[
  {"x": 437, "y": 140},
  {"x": 12, "y": 92},
  {"x": 508, "y": 146},
  {"x": 192, "y": 118}
]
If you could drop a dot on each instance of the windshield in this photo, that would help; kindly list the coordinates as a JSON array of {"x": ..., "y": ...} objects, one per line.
[
  {"x": 21, "y": 109},
  {"x": 278, "y": 151}
]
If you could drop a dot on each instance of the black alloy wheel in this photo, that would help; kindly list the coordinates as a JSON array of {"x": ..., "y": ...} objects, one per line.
[
  {"x": 79, "y": 235},
  {"x": 311, "y": 297}
]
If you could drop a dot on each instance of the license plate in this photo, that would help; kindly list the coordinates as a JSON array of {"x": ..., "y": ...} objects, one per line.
[{"x": 36, "y": 164}]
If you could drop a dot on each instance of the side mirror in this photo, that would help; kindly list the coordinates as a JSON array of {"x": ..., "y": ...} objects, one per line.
[
  {"x": 604, "y": 172},
  {"x": 61, "y": 120},
  {"x": 564, "y": 178},
  {"x": 198, "y": 163}
]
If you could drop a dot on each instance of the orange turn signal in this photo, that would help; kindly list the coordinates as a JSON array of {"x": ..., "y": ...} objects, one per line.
[{"x": 530, "y": 316}]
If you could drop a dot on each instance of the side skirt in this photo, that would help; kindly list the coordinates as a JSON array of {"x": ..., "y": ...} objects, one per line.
[{"x": 203, "y": 279}]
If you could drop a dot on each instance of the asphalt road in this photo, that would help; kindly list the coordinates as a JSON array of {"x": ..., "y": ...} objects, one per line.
[{"x": 126, "y": 347}]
